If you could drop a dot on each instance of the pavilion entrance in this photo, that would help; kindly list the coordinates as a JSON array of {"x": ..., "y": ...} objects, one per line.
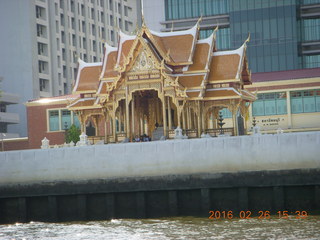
[{"x": 146, "y": 114}]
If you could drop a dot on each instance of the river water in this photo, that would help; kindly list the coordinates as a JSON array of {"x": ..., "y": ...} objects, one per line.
[{"x": 168, "y": 228}]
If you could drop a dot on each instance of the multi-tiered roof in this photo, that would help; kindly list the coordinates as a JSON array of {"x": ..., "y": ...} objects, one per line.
[{"x": 195, "y": 68}]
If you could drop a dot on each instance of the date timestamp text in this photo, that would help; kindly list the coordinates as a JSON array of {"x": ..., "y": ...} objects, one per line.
[{"x": 259, "y": 214}]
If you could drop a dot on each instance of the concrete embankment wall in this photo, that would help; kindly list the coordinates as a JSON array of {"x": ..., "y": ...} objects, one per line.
[
  {"x": 209, "y": 155},
  {"x": 160, "y": 179}
]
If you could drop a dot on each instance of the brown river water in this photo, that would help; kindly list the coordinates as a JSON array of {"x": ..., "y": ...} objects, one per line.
[{"x": 168, "y": 228}]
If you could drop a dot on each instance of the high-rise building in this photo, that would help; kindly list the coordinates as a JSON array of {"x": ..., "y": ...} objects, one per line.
[
  {"x": 285, "y": 34},
  {"x": 41, "y": 41}
]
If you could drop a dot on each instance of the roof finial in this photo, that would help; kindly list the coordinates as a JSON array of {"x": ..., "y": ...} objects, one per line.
[
  {"x": 199, "y": 21},
  {"x": 215, "y": 31},
  {"x": 142, "y": 15},
  {"x": 248, "y": 39}
]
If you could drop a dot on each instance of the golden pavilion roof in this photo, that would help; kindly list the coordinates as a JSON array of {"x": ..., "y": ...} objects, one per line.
[{"x": 191, "y": 65}]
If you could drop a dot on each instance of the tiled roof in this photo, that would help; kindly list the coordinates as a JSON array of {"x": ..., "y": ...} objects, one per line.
[
  {"x": 179, "y": 44},
  {"x": 88, "y": 77},
  {"x": 110, "y": 63},
  {"x": 286, "y": 75},
  {"x": 200, "y": 57},
  {"x": 224, "y": 67},
  {"x": 125, "y": 44},
  {"x": 191, "y": 81},
  {"x": 193, "y": 61}
]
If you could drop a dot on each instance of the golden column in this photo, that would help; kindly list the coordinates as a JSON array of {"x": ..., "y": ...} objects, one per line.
[
  {"x": 164, "y": 114},
  {"x": 106, "y": 120},
  {"x": 184, "y": 119},
  {"x": 114, "y": 122},
  {"x": 169, "y": 114},
  {"x": 234, "y": 110},
  {"x": 127, "y": 114},
  {"x": 199, "y": 118},
  {"x": 132, "y": 116}
]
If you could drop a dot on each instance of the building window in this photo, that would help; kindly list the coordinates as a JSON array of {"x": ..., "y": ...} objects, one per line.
[
  {"x": 59, "y": 61},
  {"x": 270, "y": 104},
  {"x": 40, "y": 12},
  {"x": 120, "y": 23},
  {"x": 63, "y": 54},
  {"x": 73, "y": 23},
  {"x": 56, "y": 8},
  {"x": 312, "y": 61},
  {"x": 310, "y": 29},
  {"x": 127, "y": 25},
  {"x": 119, "y": 8},
  {"x": 92, "y": 13},
  {"x": 41, "y": 31},
  {"x": 58, "y": 44},
  {"x": 74, "y": 40},
  {"x": 93, "y": 29},
  {"x": 44, "y": 85},
  {"x": 43, "y": 67},
  {"x": 305, "y": 101},
  {"x": 63, "y": 37},
  {"x": 82, "y": 10},
  {"x": 64, "y": 71},
  {"x": 59, "y": 79},
  {"x": 61, "y": 119},
  {"x": 112, "y": 35},
  {"x": 94, "y": 45},
  {"x": 54, "y": 120},
  {"x": 226, "y": 113},
  {"x": 62, "y": 19},
  {"x": 111, "y": 20},
  {"x": 3, "y": 107},
  {"x": 103, "y": 33},
  {"x": 41, "y": 49},
  {"x": 83, "y": 26},
  {"x": 65, "y": 119},
  {"x": 180, "y": 9},
  {"x": 102, "y": 17},
  {"x": 72, "y": 6},
  {"x": 126, "y": 10},
  {"x": 84, "y": 43}
]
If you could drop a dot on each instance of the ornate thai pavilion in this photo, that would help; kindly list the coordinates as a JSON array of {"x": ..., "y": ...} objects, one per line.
[{"x": 158, "y": 81}]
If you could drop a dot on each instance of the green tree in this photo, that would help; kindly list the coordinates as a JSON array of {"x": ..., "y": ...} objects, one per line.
[{"x": 72, "y": 134}]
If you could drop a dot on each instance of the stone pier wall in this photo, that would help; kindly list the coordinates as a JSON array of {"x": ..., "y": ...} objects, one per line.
[
  {"x": 161, "y": 179},
  {"x": 172, "y": 157}
]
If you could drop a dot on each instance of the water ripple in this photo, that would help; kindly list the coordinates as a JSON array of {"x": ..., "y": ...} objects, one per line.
[{"x": 167, "y": 228}]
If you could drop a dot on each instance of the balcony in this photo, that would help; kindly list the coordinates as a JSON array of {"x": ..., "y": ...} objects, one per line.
[
  {"x": 9, "y": 98},
  {"x": 9, "y": 118},
  {"x": 183, "y": 24},
  {"x": 310, "y": 11},
  {"x": 310, "y": 48}
]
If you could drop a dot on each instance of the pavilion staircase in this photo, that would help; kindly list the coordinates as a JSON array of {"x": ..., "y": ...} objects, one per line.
[{"x": 157, "y": 134}]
